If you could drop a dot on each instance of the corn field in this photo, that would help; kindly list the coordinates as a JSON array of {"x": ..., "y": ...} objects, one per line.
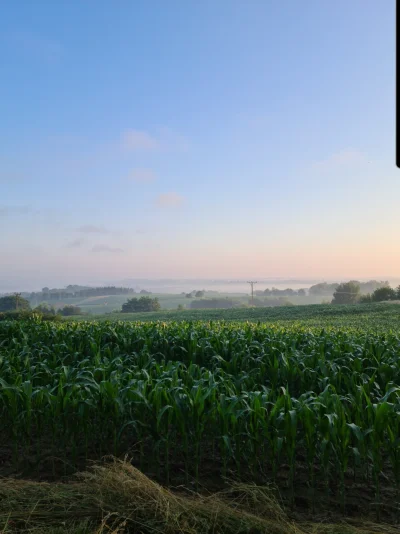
[{"x": 254, "y": 401}]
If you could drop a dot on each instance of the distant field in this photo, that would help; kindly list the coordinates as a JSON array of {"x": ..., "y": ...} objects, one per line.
[
  {"x": 102, "y": 305},
  {"x": 380, "y": 315}
]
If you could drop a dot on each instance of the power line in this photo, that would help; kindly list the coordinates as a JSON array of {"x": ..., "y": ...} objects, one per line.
[{"x": 252, "y": 291}]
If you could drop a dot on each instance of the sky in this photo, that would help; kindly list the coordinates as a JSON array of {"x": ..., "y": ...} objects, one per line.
[{"x": 185, "y": 139}]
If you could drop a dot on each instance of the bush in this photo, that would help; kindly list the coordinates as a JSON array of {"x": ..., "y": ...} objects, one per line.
[
  {"x": 69, "y": 310},
  {"x": 383, "y": 293},
  {"x": 44, "y": 308},
  {"x": 144, "y": 304},
  {"x": 25, "y": 315}
]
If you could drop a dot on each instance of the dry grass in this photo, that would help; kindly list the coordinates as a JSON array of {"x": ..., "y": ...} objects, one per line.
[{"x": 116, "y": 498}]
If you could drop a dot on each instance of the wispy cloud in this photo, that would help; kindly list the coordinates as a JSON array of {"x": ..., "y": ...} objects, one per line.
[
  {"x": 76, "y": 243},
  {"x": 136, "y": 140},
  {"x": 34, "y": 45},
  {"x": 142, "y": 176},
  {"x": 107, "y": 248},
  {"x": 169, "y": 200},
  {"x": 92, "y": 229},
  {"x": 15, "y": 210},
  {"x": 344, "y": 158},
  {"x": 164, "y": 139}
]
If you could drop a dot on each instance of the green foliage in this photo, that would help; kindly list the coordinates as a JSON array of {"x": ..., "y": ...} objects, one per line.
[
  {"x": 143, "y": 304},
  {"x": 263, "y": 396},
  {"x": 24, "y": 315},
  {"x": 384, "y": 293},
  {"x": 323, "y": 289},
  {"x": 13, "y": 302},
  {"x": 69, "y": 310},
  {"x": 377, "y": 315},
  {"x": 346, "y": 293},
  {"x": 45, "y": 308}
]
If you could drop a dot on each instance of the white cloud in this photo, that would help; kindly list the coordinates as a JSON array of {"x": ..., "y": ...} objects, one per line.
[
  {"x": 106, "y": 248},
  {"x": 164, "y": 139},
  {"x": 169, "y": 200},
  {"x": 136, "y": 140},
  {"x": 92, "y": 229},
  {"x": 142, "y": 176}
]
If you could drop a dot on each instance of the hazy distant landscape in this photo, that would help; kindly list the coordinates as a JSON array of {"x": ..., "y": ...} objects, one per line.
[{"x": 191, "y": 294}]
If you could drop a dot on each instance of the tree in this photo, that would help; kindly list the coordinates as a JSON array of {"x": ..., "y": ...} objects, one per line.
[
  {"x": 346, "y": 293},
  {"x": 199, "y": 294},
  {"x": 323, "y": 289},
  {"x": 14, "y": 302},
  {"x": 301, "y": 292},
  {"x": 383, "y": 293},
  {"x": 364, "y": 299},
  {"x": 144, "y": 304},
  {"x": 398, "y": 292},
  {"x": 45, "y": 308},
  {"x": 69, "y": 309}
]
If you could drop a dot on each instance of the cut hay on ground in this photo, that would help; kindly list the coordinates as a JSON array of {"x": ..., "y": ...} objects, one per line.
[{"x": 114, "y": 497}]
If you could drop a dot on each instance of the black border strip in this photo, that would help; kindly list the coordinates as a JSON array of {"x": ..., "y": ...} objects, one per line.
[{"x": 397, "y": 85}]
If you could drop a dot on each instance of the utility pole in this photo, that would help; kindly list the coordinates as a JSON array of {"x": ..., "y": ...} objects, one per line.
[{"x": 252, "y": 291}]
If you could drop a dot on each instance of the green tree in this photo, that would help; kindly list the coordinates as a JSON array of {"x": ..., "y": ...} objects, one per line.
[
  {"x": 346, "y": 293},
  {"x": 45, "y": 308},
  {"x": 383, "y": 293},
  {"x": 143, "y": 304},
  {"x": 14, "y": 302},
  {"x": 199, "y": 294},
  {"x": 69, "y": 309},
  {"x": 323, "y": 289}
]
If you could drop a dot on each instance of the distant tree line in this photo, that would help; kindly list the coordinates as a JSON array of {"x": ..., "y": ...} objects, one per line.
[
  {"x": 196, "y": 294},
  {"x": 77, "y": 291},
  {"x": 325, "y": 289},
  {"x": 16, "y": 303},
  {"x": 350, "y": 293},
  {"x": 274, "y": 292}
]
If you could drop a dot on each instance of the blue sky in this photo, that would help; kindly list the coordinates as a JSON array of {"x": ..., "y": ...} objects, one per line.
[{"x": 186, "y": 139}]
